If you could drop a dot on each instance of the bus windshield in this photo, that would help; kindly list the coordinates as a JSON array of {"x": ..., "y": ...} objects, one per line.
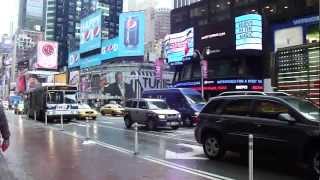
[{"x": 59, "y": 97}]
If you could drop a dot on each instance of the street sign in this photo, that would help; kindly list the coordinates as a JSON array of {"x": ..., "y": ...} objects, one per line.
[{"x": 196, "y": 153}]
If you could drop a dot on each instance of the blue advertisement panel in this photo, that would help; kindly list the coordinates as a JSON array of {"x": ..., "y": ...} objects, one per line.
[
  {"x": 248, "y": 32},
  {"x": 110, "y": 48},
  {"x": 90, "y": 32},
  {"x": 90, "y": 61},
  {"x": 74, "y": 59},
  {"x": 131, "y": 34},
  {"x": 179, "y": 46}
]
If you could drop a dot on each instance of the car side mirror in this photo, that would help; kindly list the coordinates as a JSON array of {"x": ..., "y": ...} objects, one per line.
[{"x": 286, "y": 117}]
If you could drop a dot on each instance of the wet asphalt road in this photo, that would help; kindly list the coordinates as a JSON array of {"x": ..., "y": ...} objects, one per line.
[{"x": 175, "y": 150}]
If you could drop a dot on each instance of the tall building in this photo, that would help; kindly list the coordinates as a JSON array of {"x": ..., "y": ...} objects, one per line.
[
  {"x": 62, "y": 25},
  {"x": 111, "y": 11},
  {"x": 31, "y": 15},
  {"x": 181, "y": 3}
]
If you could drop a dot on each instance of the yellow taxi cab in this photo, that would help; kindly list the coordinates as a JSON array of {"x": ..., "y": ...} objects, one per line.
[
  {"x": 86, "y": 112},
  {"x": 113, "y": 109}
]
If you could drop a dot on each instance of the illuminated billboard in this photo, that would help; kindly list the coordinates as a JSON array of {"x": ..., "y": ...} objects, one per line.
[
  {"x": 131, "y": 34},
  {"x": 90, "y": 32},
  {"x": 110, "y": 48},
  {"x": 248, "y": 32},
  {"x": 74, "y": 59},
  {"x": 47, "y": 55},
  {"x": 179, "y": 46}
]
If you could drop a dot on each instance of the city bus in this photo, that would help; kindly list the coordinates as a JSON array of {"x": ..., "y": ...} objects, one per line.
[{"x": 53, "y": 100}]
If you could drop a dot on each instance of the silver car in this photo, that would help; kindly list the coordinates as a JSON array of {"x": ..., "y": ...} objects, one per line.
[{"x": 153, "y": 113}]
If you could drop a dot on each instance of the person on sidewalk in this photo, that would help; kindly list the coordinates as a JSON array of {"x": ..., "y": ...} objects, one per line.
[{"x": 4, "y": 130}]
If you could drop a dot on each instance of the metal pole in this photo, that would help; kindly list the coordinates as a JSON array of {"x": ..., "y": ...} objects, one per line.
[
  {"x": 87, "y": 130},
  {"x": 202, "y": 81},
  {"x": 61, "y": 121},
  {"x": 35, "y": 115},
  {"x": 250, "y": 157},
  {"x": 136, "y": 144},
  {"x": 46, "y": 118}
]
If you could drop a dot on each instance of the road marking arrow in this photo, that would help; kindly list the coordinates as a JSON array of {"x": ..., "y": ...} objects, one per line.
[{"x": 194, "y": 154}]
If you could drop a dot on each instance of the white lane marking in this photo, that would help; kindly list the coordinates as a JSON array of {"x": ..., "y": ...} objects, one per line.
[
  {"x": 149, "y": 134},
  {"x": 194, "y": 154},
  {"x": 187, "y": 169},
  {"x": 105, "y": 122}
]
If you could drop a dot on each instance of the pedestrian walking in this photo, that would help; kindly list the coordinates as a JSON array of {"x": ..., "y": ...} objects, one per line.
[{"x": 4, "y": 130}]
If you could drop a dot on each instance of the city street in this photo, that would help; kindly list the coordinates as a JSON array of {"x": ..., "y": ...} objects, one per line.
[{"x": 103, "y": 149}]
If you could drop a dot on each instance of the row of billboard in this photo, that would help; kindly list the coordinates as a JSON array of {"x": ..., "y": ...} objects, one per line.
[
  {"x": 129, "y": 43},
  {"x": 243, "y": 33}
]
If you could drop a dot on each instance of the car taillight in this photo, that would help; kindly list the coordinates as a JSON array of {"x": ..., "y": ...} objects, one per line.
[{"x": 195, "y": 119}]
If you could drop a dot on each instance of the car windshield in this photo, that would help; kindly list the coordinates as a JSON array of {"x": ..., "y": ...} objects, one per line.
[
  {"x": 308, "y": 109},
  {"x": 158, "y": 105},
  {"x": 194, "y": 99},
  {"x": 84, "y": 106}
]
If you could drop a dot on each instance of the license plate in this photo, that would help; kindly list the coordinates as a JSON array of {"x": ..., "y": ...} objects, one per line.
[{"x": 172, "y": 123}]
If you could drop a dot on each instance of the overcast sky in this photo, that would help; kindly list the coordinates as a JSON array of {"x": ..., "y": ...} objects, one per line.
[{"x": 9, "y": 12}]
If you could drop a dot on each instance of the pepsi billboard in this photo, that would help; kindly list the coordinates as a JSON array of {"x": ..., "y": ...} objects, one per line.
[
  {"x": 131, "y": 34},
  {"x": 179, "y": 46},
  {"x": 74, "y": 59},
  {"x": 90, "y": 32},
  {"x": 110, "y": 48}
]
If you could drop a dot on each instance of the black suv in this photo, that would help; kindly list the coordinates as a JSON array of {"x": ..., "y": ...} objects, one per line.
[{"x": 285, "y": 126}]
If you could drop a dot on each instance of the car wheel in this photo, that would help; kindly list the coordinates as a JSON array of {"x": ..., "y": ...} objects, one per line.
[
  {"x": 175, "y": 127},
  {"x": 314, "y": 163},
  {"x": 212, "y": 147},
  {"x": 187, "y": 122},
  {"x": 151, "y": 125},
  {"x": 127, "y": 122}
]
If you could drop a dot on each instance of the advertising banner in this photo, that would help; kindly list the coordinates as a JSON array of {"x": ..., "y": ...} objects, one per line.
[
  {"x": 90, "y": 61},
  {"x": 47, "y": 55},
  {"x": 74, "y": 78},
  {"x": 179, "y": 46},
  {"x": 60, "y": 78},
  {"x": 131, "y": 34},
  {"x": 248, "y": 32},
  {"x": 74, "y": 59},
  {"x": 90, "y": 32},
  {"x": 110, "y": 48},
  {"x": 159, "y": 68}
]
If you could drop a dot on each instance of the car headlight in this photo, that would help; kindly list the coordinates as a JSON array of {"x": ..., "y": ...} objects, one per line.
[
  {"x": 196, "y": 114},
  {"x": 161, "y": 116},
  {"x": 179, "y": 115}
]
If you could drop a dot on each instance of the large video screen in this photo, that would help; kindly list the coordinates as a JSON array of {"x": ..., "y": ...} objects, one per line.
[
  {"x": 248, "y": 32},
  {"x": 90, "y": 32},
  {"x": 179, "y": 46},
  {"x": 131, "y": 34}
]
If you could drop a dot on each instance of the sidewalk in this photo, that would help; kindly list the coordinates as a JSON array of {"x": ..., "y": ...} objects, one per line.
[{"x": 38, "y": 153}]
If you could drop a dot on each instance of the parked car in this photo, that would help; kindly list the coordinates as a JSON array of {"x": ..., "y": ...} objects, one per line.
[
  {"x": 19, "y": 109},
  {"x": 86, "y": 112},
  {"x": 285, "y": 126},
  {"x": 231, "y": 93},
  {"x": 113, "y": 109},
  {"x": 153, "y": 113},
  {"x": 184, "y": 100}
]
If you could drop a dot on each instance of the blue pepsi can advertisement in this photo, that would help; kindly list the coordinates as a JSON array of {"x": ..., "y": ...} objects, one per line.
[{"x": 131, "y": 34}]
